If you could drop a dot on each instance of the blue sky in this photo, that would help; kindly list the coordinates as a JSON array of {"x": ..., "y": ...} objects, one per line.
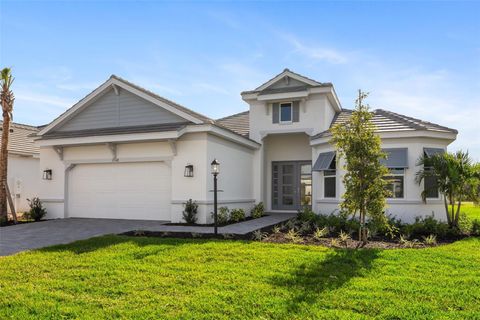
[{"x": 417, "y": 58}]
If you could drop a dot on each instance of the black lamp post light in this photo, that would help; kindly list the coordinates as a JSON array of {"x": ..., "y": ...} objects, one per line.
[{"x": 215, "y": 171}]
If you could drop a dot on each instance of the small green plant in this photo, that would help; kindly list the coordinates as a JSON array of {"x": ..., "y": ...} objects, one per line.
[
  {"x": 227, "y": 236},
  {"x": 196, "y": 235},
  {"x": 276, "y": 229},
  {"x": 258, "y": 211},
  {"x": 320, "y": 233},
  {"x": 334, "y": 242},
  {"x": 258, "y": 235},
  {"x": 139, "y": 233},
  {"x": 306, "y": 215},
  {"x": 305, "y": 227},
  {"x": 344, "y": 237},
  {"x": 293, "y": 236},
  {"x": 223, "y": 215},
  {"x": 37, "y": 211},
  {"x": 237, "y": 215},
  {"x": 290, "y": 224},
  {"x": 190, "y": 211},
  {"x": 430, "y": 240},
  {"x": 403, "y": 239}
]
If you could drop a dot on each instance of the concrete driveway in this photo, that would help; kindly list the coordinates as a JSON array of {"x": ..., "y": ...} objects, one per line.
[{"x": 34, "y": 235}]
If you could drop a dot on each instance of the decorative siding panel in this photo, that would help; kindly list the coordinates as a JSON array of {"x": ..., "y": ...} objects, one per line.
[
  {"x": 275, "y": 113},
  {"x": 296, "y": 111},
  {"x": 123, "y": 110}
]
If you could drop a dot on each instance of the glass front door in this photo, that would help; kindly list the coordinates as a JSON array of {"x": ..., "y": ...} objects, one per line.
[{"x": 291, "y": 185}]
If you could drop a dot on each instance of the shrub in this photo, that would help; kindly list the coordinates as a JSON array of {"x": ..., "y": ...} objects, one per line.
[
  {"x": 344, "y": 237},
  {"x": 431, "y": 240},
  {"x": 237, "y": 215},
  {"x": 306, "y": 215},
  {"x": 337, "y": 223},
  {"x": 258, "y": 211},
  {"x": 37, "y": 211},
  {"x": 320, "y": 233},
  {"x": 293, "y": 236},
  {"x": 190, "y": 211},
  {"x": 222, "y": 215},
  {"x": 476, "y": 227},
  {"x": 423, "y": 227},
  {"x": 258, "y": 235}
]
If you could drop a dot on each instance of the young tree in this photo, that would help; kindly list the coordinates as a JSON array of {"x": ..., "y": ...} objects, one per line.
[
  {"x": 6, "y": 99},
  {"x": 456, "y": 176},
  {"x": 358, "y": 144}
]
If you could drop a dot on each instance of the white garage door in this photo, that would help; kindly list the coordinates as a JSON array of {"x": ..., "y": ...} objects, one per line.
[{"x": 120, "y": 191}]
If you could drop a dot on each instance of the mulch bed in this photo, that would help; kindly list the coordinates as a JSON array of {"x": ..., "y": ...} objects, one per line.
[
  {"x": 281, "y": 238},
  {"x": 11, "y": 223}
]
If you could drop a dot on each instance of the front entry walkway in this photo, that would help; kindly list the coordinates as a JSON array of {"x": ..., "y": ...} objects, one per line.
[{"x": 35, "y": 235}]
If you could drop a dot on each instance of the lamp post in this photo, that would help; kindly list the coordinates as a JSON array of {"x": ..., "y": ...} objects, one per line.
[{"x": 215, "y": 171}]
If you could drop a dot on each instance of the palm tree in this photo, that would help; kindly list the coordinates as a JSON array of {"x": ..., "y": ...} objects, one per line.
[
  {"x": 6, "y": 99},
  {"x": 455, "y": 175}
]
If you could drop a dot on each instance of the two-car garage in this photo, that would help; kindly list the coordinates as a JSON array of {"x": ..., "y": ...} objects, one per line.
[{"x": 135, "y": 190}]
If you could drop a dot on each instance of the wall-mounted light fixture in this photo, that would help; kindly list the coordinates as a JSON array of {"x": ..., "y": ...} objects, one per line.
[
  {"x": 47, "y": 174},
  {"x": 188, "y": 171}
]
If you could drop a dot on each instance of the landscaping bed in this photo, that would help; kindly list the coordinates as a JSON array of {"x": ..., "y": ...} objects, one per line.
[{"x": 211, "y": 224}]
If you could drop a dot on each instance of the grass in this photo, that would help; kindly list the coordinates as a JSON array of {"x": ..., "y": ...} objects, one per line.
[
  {"x": 150, "y": 278},
  {"x": 472, "y": 211}
]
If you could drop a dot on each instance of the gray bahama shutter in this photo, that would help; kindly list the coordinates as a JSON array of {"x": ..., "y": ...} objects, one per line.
[
  {"x": 296, "y": 111},
  {"x": 323, "y": 161},
  {"x": 275, "y": 112},
  {"x": 396, "y": 158}
]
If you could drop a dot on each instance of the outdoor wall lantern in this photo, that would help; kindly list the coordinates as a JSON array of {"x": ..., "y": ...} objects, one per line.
[
  {"x": 188, "y": 171},
  {"x": 215, "y": 171},
  {"x": 47, "y": 174}
]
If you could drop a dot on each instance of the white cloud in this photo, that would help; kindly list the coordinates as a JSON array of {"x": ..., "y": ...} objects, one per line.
[{"x": 318, "y": 53}]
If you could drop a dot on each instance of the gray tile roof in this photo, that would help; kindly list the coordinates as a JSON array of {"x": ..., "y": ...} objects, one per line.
[
  {"x": 389, "y": 121},
  {"x": 238, "y": 123},
  {"x": 20, "y": 140},
  {"x": 385, "y": 121}
]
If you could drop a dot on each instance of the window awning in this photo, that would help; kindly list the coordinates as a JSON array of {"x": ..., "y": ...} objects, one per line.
[
  {"x": 432, "y": 151},
  {"x": 396, "y": 158},
  {"x": 323, "y": 161}
]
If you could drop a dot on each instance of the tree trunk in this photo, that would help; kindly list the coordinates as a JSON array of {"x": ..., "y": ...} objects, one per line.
[
  {"x": 4, "y": 165},
  {"x": 457, "y": 215},
  {"x": 449, "y": 221}
]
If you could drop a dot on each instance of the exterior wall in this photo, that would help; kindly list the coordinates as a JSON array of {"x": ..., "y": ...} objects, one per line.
[
  {"x": 197, "y": 149},
  {"x": 23, "y": 180},
  {"x": 283, "y": 147},
  {"x": 316, "y": 114},
  {"x": 407, "y": 208},
  {"x": 124, "y": 109}
]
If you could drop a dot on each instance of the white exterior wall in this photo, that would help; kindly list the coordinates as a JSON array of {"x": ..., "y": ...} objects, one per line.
[
  {"x": 316, "y": 114},
  {"x": 23, "y": 180},
  {"x": 407, "y": 208}
]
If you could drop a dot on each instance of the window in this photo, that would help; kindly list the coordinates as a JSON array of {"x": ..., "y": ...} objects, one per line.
[
  {"x": 286, "y": 112},
  {"x": 330, "y": 181},
  {"x": 395, "y": 182}
]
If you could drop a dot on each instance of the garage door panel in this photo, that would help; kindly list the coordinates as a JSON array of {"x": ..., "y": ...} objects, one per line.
[{"x": 120, "y": 191}]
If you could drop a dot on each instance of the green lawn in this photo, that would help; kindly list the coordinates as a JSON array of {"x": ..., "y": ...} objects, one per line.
[
  {"x": 151, "y": 278},
  {"x": 471, "y": 210}
]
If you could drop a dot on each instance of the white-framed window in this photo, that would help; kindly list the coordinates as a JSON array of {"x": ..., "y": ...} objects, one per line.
[
  {"x": 330, "y": 181},
  {"x": 285, "y": 112},
  {"x": 396, "y": 183}
]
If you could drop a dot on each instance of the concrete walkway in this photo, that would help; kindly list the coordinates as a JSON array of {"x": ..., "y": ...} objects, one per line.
[{"x": 35, "y": 235}]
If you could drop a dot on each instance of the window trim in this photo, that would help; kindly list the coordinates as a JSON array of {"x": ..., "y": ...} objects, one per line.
[
  {"x": 390, "y": 174},
  {"x": 280, "y": 112}
]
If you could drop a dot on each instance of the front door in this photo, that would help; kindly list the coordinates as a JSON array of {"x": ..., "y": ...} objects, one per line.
[{"x": 291, "y": 185}]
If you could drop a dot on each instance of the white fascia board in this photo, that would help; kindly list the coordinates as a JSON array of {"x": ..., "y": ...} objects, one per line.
[
  {"x": 410, "y": 134},
  {"x": 149, "y": 136},
  {"x": 283, "y": 96},
  {"x": 131, "y": 137},
  {"x": 156, "y": 101},
  {"x": 307, "y": 131}
]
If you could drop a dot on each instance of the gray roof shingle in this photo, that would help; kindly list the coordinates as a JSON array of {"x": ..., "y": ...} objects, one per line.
[
  {"x": 238, "y": 123},
  {"x": 20, "y": 139}
]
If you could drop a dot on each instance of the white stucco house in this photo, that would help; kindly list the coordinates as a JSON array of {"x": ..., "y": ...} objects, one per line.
[
  {"x": 122, "y": 151},
  {"x": 23, "y": 173}
]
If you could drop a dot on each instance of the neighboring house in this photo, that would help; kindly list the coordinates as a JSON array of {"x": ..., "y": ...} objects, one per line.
[
  {"x": 121, "y": 152},
  {"x": 23, "y": 165}
]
